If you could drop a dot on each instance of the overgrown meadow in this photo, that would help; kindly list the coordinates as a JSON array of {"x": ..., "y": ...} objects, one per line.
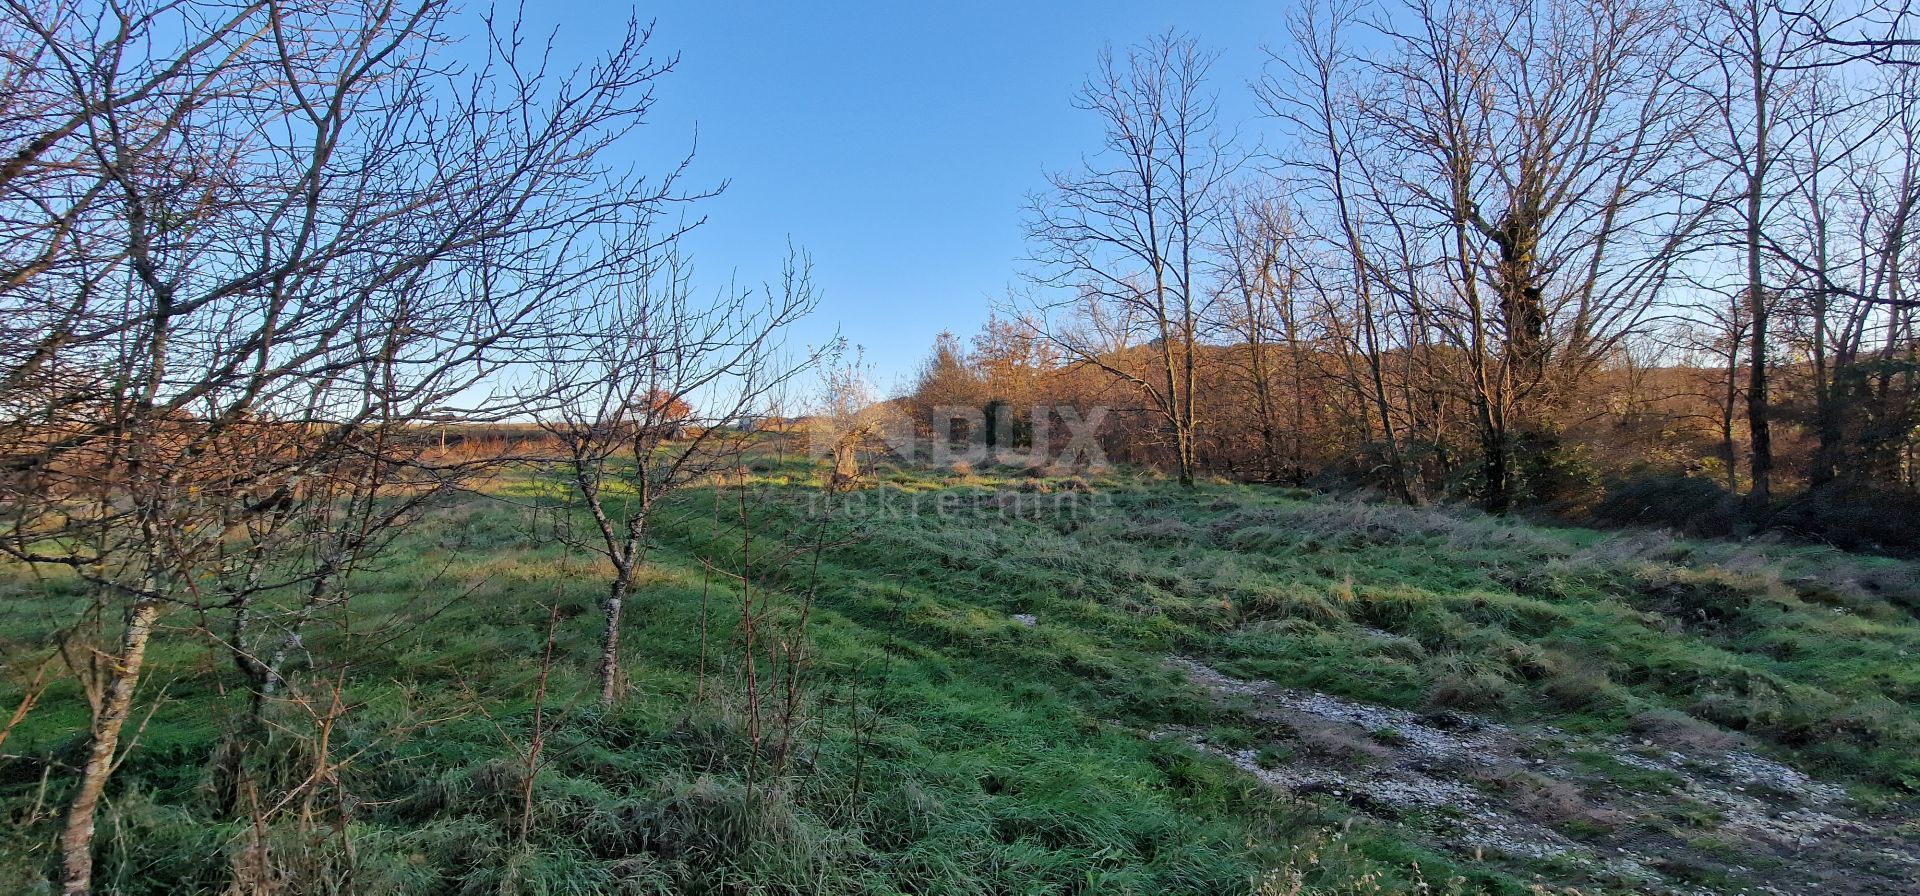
[{"x": 960, "y": 682}]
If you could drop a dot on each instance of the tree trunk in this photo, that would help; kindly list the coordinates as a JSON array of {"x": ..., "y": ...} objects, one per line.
[
  {"x": 1389, "y": 437},
  {"x": 1729, "y": 406},
  {"x": 76, "y": 842},
  {"x": 1183, "y": 445},
  {"x": 1827, "y": 397},
  {"x": 1262, "y": 393},
  {"x": 846, "y": 462},
  {"x": 1493, "y": 452},
  {"x": 1759, "y": 413},
  {"x": 1759, "y": 422},
  {"x": 610, "y": 642}
]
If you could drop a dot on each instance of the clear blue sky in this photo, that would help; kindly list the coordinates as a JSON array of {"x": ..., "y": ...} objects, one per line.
[{"x": 895, "y": 142}]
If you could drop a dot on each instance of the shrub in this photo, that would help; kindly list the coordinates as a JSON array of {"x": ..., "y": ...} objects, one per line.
[
  {"x": 1470, "y": 689},
  {"x": 1554, "y": 472},
  {"x": 1580, "y": 689},
  {"x": 1850, "y": 518},
  {"x": 1853, "y": 519},
  {"x": 1689, "y": 504},
  {"x": 1677, "y": 730}
]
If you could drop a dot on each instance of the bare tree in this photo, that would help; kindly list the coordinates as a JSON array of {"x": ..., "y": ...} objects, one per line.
[
  {"x": 1312, "y": 94},
  {"x": 1881, "y": 32},
  {"x": 1510, "y": 176},
  {"x": 1813, "y": 134},
  {"x": 1130, "y": 232},
  {"x": 657, "y": 393},
  {"x": 1263, "y": 275},
  {"x": 1753, "y": 83},
  {"x": 849, "y": 416},
  {"x": 1845, "y": 272},
  {"x": 246, "y": 247},
  {"x": 1718, "y": 339}
]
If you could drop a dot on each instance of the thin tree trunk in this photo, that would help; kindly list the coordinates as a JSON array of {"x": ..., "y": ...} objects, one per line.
[
  {"x": 1759, "y": 423},
  {"x": 610, "y": 641},
  {"x": 1827, "y": 396},
  {"x": 1389, "y": 438},
  {"x": 1729, "y": 406},
  {"x": 1494, "y": 451},
  {"x": 1269, "y": 435},
  {"x": 1262, "y": 389},
  {"x": 76, "y": 842}
]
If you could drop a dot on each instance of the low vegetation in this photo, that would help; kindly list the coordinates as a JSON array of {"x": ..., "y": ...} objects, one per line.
[{"x": 985, "y": 682}]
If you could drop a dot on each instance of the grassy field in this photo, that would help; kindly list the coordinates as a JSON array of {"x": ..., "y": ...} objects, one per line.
[{"x": 1035, "y": 684}]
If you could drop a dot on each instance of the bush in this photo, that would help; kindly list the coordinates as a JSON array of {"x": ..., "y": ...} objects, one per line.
[
  {"x": 1687, "y": 503},
  {"x": 1850, "y": 518},
  {"x": 1075, "y": 484},
  {"x": 1853, "y": 519},
  {"x": 1555, "y": 473}
]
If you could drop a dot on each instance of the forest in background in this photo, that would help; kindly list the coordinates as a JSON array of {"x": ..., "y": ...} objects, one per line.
[{"x": 1643, "y": 260}]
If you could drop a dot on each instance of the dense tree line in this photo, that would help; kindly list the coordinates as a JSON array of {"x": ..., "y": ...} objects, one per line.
[{"x": 1498, "y": 252}]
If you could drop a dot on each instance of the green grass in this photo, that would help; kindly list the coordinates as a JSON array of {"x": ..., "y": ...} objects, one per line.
[{"x": 949, "y": 748}]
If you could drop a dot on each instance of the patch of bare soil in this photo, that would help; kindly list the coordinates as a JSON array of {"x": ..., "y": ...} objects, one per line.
[{"x": 1618, "y": 813}]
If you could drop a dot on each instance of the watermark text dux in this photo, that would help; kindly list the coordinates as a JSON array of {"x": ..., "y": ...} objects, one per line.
[{"x": 1044, "y": 436}]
